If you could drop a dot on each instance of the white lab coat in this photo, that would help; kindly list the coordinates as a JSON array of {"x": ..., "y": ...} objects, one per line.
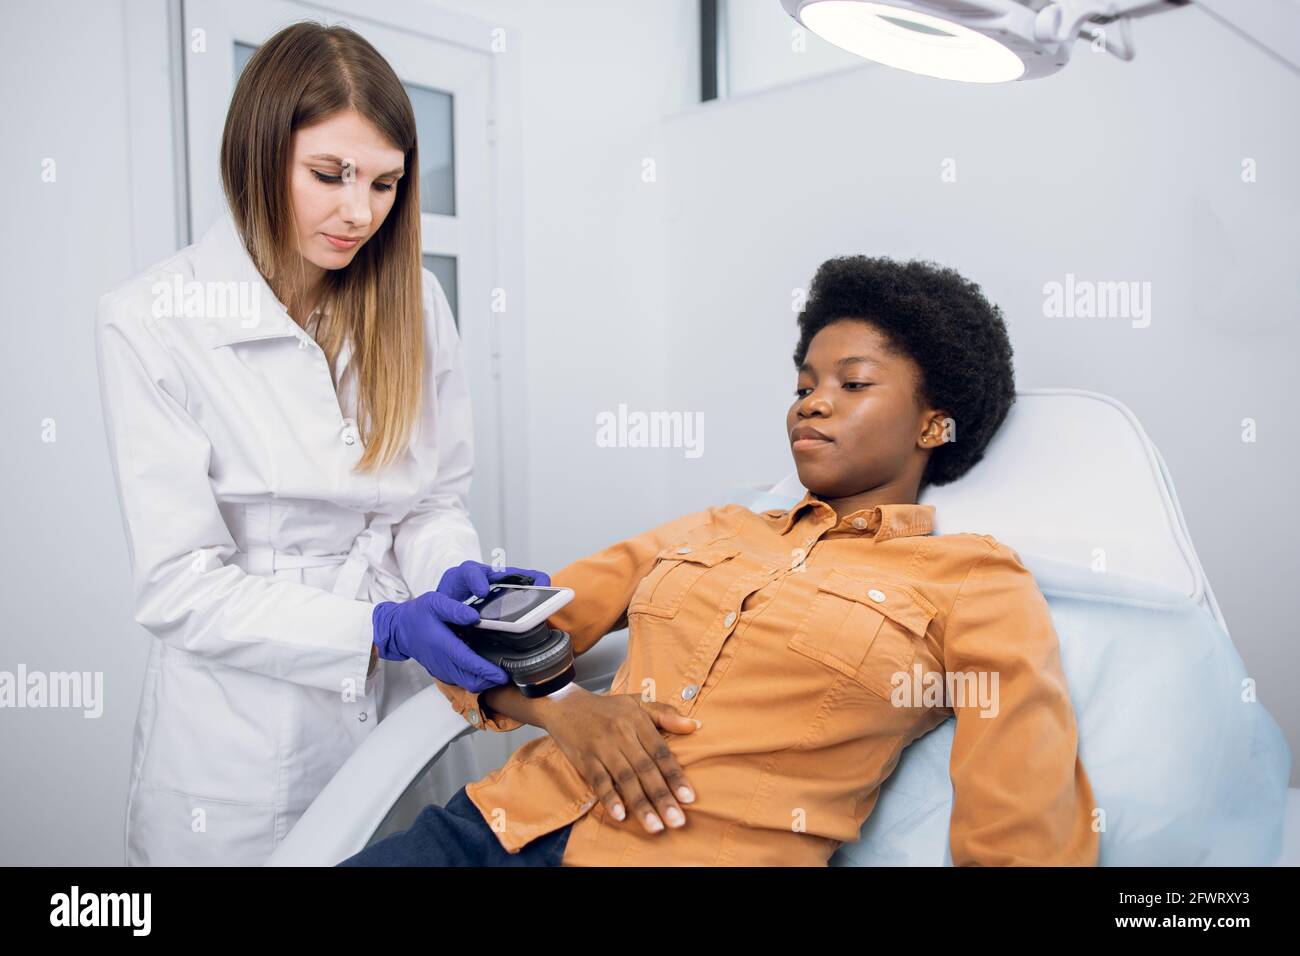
[{"x": 257, "y": 556}]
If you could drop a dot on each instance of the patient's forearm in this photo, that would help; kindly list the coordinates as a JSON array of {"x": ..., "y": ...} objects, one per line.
[{"x": 507, "y": 699}]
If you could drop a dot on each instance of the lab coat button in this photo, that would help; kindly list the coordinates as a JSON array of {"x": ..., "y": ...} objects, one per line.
[
  {"x": 877, "y": 596},
  {"x": 362, "y": 716},
  {"x": 688, "y": 693}
]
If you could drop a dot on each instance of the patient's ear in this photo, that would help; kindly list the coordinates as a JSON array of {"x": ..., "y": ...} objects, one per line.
[{"x": 938, "y": 429}]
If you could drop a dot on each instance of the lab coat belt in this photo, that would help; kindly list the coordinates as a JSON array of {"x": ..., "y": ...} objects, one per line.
[
  {"x": 366, "y": 554},
  {"x": 268, "y": 560}
]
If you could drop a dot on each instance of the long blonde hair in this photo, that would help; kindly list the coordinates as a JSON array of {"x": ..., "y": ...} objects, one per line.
[{"x": 304, "y": 74}]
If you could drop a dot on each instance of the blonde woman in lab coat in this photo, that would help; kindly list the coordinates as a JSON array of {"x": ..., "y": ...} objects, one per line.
[{"x": 289, "y": 426}]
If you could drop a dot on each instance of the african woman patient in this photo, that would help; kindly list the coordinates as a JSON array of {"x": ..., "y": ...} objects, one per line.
[{"x": 780, "y": 662}]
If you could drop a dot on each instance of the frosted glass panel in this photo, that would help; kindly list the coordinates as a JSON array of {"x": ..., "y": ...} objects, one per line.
[
  {"x": 433, "y": 129},
  {"x": 444, "y": 267}
]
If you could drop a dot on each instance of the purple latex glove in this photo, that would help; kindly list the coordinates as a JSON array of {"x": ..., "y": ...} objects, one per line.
[
  {"x": 474, "y": 577},
  {"x": 418, "y": 628}
]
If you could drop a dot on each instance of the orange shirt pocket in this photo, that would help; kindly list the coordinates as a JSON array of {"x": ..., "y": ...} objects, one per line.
[
  {"x": 865, "y": 627},
  {"x": 676, "y": 570}
]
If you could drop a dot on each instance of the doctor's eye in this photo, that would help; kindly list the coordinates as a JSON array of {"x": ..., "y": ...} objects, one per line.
[
  {"x": 800, "y": 392},
  {"x": 325, "y": 178}
]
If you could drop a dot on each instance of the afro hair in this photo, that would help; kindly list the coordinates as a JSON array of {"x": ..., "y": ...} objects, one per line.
[{"x": 943, "y": 322}]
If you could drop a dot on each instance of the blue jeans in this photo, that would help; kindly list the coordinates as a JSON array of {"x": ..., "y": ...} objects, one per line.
[{"x": 457, "y": 835}]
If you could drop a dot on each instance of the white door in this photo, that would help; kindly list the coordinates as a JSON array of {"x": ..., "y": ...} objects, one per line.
[{"x": 450, "y": 88}]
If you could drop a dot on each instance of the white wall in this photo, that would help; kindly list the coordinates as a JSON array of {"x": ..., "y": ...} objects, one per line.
[
  {"x": 65, "y": 585},
  {"x": 1108, "y": 170},
  {"x": 598, "y": 77},
  {"x": 674, "y": 295},
  {"x": 595, "y": 247},
  {"x": 761, "y": 47}
]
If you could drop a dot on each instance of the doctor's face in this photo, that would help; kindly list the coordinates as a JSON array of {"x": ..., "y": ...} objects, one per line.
[
  {"x": 855, "y": 424},
  {"x": 343, "y": 180}
]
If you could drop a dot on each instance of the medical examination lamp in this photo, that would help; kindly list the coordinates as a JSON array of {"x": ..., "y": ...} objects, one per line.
[{"x": 993, "y": 41}]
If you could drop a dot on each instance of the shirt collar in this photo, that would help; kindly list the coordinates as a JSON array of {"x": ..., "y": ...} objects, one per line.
[
  {"x": 882, "y": 521},
  {"x": 246, "y": 308}
]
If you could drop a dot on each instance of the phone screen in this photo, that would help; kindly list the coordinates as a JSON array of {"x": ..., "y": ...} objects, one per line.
[{"x": 508, "y": 605}]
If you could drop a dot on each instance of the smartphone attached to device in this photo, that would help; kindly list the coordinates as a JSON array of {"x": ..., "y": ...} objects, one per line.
[
  {"x": 517, "y": 608},
  {"x": 514, "y": 634}
]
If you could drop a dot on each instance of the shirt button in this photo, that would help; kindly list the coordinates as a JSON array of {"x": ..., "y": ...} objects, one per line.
[
  {"x": 473, "y": 716},
  {"x": 731, "y": 619},
  {"x": 859, "y": 523},
  {"x": 362, "y": 716},
  {"x": 683, "y": 550},
  {"x": 878, "y": 596},
  {"x": 689, "y": 692}
]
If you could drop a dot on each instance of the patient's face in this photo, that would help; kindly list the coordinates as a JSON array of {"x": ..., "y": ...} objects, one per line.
[{"x": 862, "y": 398}]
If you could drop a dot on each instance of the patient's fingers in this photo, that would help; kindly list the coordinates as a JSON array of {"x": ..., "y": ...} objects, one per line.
[
  {"x": 663, "y": 768},
  {"x": 672, "y": 771},
  {"x": 668, "y": 718},
  {"x": 603, "y": 784},
  {"x": 628, "y": 781}
]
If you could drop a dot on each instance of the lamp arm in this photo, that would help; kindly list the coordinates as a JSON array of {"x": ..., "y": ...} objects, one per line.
[
  {"x": 1272, "y": 26},
  {"x": 1062, "y": 22}
]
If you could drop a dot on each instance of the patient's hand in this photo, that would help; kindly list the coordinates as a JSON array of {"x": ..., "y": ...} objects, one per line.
[{"x": 614, "y": 742}]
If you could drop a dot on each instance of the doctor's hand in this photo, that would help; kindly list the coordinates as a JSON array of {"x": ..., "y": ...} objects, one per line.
[
  {"x": 418, "y": 628},
  {"x": 613, "y": 741},
  {"x": 475, "y": 577}
]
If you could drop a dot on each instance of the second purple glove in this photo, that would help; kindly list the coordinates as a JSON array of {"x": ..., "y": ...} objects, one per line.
[{"x": 474, "y": 577}]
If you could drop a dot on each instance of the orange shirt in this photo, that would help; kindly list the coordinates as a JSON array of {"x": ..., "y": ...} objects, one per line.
[{"x": 788, "y": 635}]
